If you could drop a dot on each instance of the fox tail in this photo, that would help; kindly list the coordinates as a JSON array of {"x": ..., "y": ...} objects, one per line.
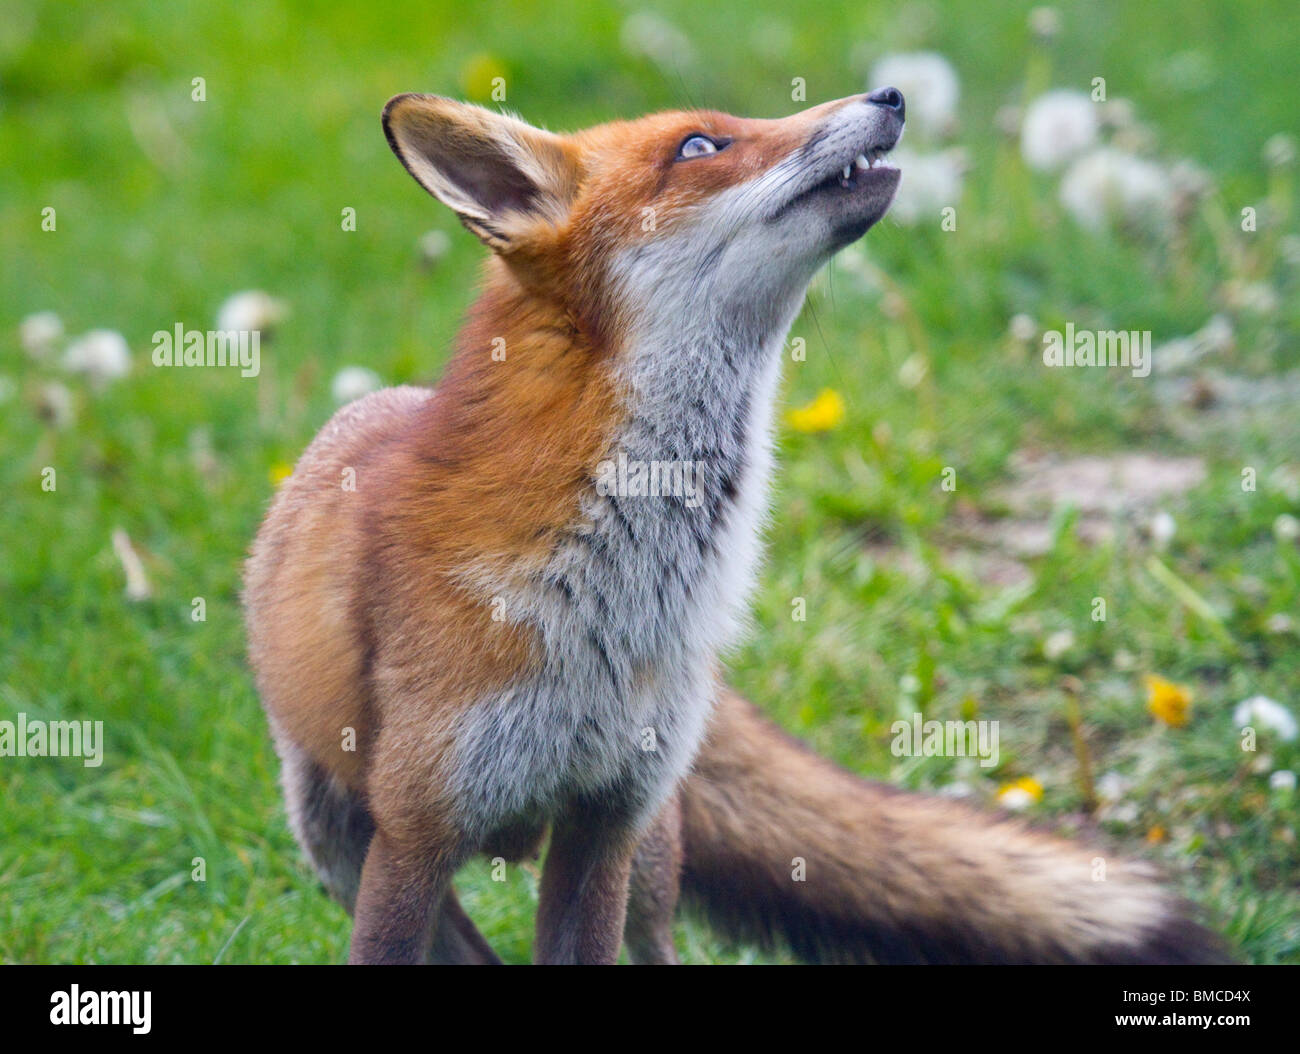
[{"x": 895, "y": 877}]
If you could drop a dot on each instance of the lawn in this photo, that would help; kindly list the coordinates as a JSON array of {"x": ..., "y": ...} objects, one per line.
[{"x": 950, "y": 509}]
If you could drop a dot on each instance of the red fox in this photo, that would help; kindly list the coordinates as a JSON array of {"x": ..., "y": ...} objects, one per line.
[{"x": 500, "y": 630}]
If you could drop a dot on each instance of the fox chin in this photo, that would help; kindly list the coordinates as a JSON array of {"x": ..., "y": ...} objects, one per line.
[{"x": 487, "y": 641}]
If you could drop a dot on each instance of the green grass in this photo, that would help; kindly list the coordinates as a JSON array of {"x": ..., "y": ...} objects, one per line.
[{"x": 165, "y": 206}]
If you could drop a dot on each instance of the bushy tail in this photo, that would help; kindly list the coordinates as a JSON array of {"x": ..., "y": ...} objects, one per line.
[{"x": 894, "y": 877}]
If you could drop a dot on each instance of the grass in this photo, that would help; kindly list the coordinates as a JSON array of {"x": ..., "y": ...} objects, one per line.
[{"x": 166, "y": 205}]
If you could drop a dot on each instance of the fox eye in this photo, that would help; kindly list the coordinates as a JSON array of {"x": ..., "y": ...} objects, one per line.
[{"x": 697, "y": 146}]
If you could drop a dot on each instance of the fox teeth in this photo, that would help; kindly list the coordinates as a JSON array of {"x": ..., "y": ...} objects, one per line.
[
  {"x": 848, "y": 171},
  {"x": 863, "y": 161}
]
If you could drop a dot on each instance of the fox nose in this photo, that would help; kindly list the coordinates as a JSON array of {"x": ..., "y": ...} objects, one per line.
[{"x": 891, "y": 99}]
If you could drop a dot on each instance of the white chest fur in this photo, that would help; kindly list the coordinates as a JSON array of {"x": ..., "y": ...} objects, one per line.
[{"x": 641, "y": 594}]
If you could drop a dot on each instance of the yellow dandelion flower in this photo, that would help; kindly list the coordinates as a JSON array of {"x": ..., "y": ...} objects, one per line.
[
  {"x": 1156, "y": 835},
  {"x": 1021, "y": 793},
  {"x": 821, "y": 415},
  {"x": 280, "y": 471},
  {"x": 483, "y": 78},
  {"x": 1168, "y": 702}
]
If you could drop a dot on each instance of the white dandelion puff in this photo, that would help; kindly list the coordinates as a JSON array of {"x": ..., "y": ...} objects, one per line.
[
  {"x": 434, "y": 245},
  {"x": 1058, "y": 644},
  {"x": 1057, "y": 126},
  {"x": 1022, "y": 328},
  {"x": 352, "y": 382},
  {"x": 1162, "y": 528},
  {"x": 101, "y": 355},
  {"x": 1045, "y": 23},
  {"x": 40, "y": 334},
  {"x": 251, "y": 310},
  {"x": 1280, "y": 622},
  {"x": 1263, "y": 712},
  {"x": 1108, "y": 184}
]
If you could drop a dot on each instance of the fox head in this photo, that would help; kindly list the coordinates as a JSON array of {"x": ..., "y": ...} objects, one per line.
[{"x": 674, "y": 212}]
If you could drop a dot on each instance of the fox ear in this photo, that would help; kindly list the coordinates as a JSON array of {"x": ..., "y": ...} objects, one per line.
[{"x": 498, "y": 174}]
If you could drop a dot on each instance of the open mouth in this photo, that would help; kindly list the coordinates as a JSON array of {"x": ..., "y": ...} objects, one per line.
[
  {"x": 869, "y": 169},
  {"x": 857, "y": 170}
]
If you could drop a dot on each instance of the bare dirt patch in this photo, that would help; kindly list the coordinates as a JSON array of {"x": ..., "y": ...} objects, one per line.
[{"x": 1104, "y": 491}]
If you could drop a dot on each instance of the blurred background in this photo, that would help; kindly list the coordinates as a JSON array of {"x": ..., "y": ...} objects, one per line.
[{"x": 950, "y": 508}]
